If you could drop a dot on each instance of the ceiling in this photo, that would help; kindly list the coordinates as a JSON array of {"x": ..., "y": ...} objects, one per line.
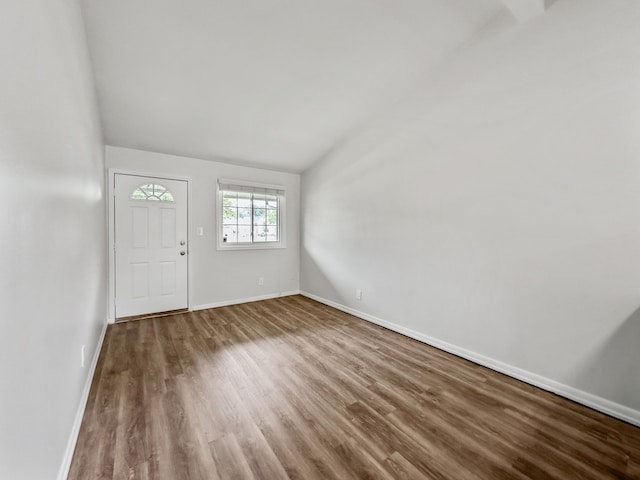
[{"x": 269, "y": 83}]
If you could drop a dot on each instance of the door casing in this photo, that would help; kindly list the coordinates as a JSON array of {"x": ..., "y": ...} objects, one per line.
[{"x": 111, "y": 173}]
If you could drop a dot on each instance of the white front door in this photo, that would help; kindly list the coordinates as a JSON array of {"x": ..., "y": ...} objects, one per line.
[{"x": 151, "y": 245}]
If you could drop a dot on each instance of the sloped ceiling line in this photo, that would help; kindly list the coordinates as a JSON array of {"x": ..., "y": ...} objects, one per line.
[{"x": 523, "y": 10}]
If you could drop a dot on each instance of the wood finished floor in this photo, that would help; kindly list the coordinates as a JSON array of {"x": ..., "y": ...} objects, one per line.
[{"x": 292, "y": 389}]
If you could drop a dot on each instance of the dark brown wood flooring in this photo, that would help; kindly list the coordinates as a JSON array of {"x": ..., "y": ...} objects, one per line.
[{"x": 292, "y": 389}]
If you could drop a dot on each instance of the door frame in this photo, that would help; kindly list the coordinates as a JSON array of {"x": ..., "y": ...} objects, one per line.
[{"x": 111, "y": 178}]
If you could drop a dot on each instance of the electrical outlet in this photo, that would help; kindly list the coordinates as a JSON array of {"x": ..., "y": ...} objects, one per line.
[
  {"x": 261, "y": 281},
  {"x": 82, "y": 356},
  {"x": 358, "y": 294}
]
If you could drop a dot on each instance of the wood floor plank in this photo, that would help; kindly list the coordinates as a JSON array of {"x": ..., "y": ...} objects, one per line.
[
  {"x": 402, "y": 469},
  {"x": 292, "y": 389},
  {"x": 229, "y": 459}
]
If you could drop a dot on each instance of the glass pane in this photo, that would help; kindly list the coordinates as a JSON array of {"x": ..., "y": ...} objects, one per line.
[
  {"x": 249, "y": 217},
  {"x": 259, "y": 234},
  {"x": 229, "y": 215},
  {"x": 244, "y": 216},
  {"x": 259, "y": 217},
  {"x": 244, "y": 233},
  {"x": 272, "y": 217},
  {"x": 272, "y": 201},
  {"x": 138, "y": 195},
  {"x": 229, "y": 234},
  {"x": 272, "y": 234},
  {"x": 259, "y": 201},
  {"x": 230, "y": 199},
  {"x": 244, "y": 199},
  {"x": 152, "y": 191}
]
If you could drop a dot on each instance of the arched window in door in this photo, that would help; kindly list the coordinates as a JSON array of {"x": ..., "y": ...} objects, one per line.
[{"x": 153, "y": 192}]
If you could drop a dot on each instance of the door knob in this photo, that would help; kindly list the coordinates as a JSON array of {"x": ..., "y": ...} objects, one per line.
[
  {"x": 182, "y": 242},
  {"x": 183, "y": 253}
]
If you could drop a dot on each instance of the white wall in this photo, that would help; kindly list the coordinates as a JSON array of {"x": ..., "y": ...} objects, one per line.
[
  {"x": 498, "y": 207},
  {"x": 52, "y": 233},
  {"x": 225, "y": 276}
]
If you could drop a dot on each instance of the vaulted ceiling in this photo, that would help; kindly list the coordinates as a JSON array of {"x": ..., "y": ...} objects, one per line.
[{"x": 271, "y": 83}]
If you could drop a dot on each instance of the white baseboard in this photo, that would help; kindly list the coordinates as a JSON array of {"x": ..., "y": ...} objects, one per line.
[
  {"x": 237, "y": 301},
  {"x": 595, "y": 402},
  {"x": 75, "y": 431}
]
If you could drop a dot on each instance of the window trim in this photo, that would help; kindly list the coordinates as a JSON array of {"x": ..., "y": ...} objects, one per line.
[{"x": 282, "y": 230}]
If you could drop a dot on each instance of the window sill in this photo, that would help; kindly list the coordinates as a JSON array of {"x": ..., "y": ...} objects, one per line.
[{"x": 251, "y": 246}]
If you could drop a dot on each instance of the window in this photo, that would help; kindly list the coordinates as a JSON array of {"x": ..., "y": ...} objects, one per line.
[
  {"x": 152, "y": 191},
  {"x": 250, "y": 215}
]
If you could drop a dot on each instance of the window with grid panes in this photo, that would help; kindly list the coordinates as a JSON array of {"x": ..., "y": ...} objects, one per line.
[{"x": 250, "y": 215}]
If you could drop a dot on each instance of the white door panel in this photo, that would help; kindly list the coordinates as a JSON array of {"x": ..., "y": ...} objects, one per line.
[
  {"x": 168, "y": 228},
  {"x": 150, "y": 245}
]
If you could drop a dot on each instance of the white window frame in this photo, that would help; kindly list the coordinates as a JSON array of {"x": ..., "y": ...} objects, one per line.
[{"x": 282, "y": 230}]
